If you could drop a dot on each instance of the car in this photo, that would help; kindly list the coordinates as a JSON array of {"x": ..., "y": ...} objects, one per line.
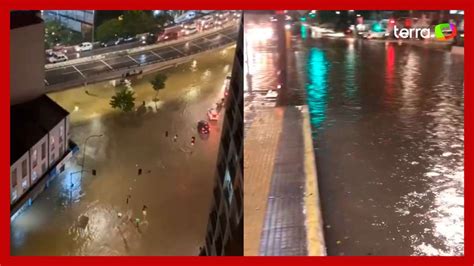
[
  {"x": 85, "y": 46},
  {"x": 203, "y": 127},
  {"x": 127, "y": 39},
  {"x": 110, "y": 43},
  {"x": 57, "y": 57},
  {"x": 190, "y": 30},
  {"x": 168, "y": 37},
  {"x": 148, "y": 39},
  {"x": 212, "y": 114},
  {"x": 207, "y": 22}
]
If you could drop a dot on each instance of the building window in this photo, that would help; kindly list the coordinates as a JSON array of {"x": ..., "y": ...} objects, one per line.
[
  {"x": 61, "y": 134},
  {"x": 43, "y": 168},
  {"x": 14, "y": 178},
  {"x": 43, "y": 150},
  {"x": 14, "y": 195},
  {"x": 24, "y": 170},
  {"x": 61, "y": 150},
  {"x": 34, "y": 175},
  {"x": 228, "y": 189},
  {"x": 34, "y": 158},
  {"x": 51, "y": 141}
]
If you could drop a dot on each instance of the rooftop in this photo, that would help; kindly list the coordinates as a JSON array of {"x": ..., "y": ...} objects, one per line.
[
  {"x": 30, "y": 122},
  {"x": 25, "y": 18}
]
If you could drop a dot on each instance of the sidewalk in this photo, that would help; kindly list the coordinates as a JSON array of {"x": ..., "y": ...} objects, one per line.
[{"x": 281, "y": 201}]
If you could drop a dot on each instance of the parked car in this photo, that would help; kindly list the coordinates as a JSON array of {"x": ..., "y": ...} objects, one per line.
[
  {"x": 203, "y": 127},
  {"x": 57, "y": 57},
  {"x": 85, "y": 46}
]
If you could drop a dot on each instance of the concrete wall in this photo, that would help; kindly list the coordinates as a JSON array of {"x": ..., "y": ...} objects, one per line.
[
  {"x": 26, "y": 53},
  {"x": 22, "y": 178},
  {"x": 57, "y": 146},
  {"x": 41, "y": 163}
]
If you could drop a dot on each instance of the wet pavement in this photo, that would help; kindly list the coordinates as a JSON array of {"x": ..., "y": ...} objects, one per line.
[
  {"x": 274, "y": 149},
  {"x": 388, "y": 131},
  {"x": 94, "y": 218}
]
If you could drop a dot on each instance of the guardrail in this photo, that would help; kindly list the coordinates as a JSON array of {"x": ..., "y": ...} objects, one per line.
[
  {"x": 229, "y": 25},
  {"x": 145, "y": 68}
]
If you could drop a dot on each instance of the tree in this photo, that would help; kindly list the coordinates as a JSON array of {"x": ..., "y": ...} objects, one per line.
[
  {"x": 109, "y": 30},
  {"x": 56, "y": 33},
  {"x": 137, "y": 21},
  {"x": 124, "y": 100},
  {"x": 158, "y": 83}
]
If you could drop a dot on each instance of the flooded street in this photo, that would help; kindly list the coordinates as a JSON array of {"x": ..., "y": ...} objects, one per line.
[
  {"x": 94, "y": 217},
  {"x": 388, "y": 134},
  {"x": 388, "y": 131}
]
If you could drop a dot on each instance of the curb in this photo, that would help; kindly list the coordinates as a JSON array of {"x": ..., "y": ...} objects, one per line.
[{"x": 314, "y": 223}]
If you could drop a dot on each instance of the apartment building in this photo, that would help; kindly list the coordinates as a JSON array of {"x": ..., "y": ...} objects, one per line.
[
  {"x": 39, "y": 128},
  {"x": 225, "y": 226},
  {"x": 39, "y": 137}
]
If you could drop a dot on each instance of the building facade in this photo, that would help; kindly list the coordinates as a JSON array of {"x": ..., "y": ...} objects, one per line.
[
  {"x": 39, "y": 140},
  {"x": 39, "y": 127},
  {"x": 77, "y": 20},
  {"x": 27, "y": 53},
  {"x": 225, "y": 225}
]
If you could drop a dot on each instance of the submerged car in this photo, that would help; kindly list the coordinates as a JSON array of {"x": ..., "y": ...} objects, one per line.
[{"x": 203, "y": 127}]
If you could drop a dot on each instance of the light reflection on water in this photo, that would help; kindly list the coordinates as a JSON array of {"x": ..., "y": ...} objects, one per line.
[{"x": 388, "y": 131}]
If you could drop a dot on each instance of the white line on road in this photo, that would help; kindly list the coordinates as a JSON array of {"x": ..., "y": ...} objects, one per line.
[
  {"x": 196, "y": 45},
  {"x": 111, "y": 68},
  {"x": 133, "y": 59},
  {"x": 226, "y": 36},
  {"x": 176, "y": 50},
  {"x": 79, "y": 71},
  {"x": 157, "y": 55}
]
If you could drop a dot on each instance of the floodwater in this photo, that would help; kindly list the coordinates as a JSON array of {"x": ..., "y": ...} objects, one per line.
[
  {"x": 388, "y": 131},
  {"x": 93, "y": 216}
]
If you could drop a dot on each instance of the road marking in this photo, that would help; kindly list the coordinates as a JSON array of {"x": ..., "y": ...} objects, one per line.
[
  {"x": 157, "y": 55},
  {"x": 227, "y": 37},
  {"x": 79, "y": 71},
  {"x": 176, "y": 50},
  {"x": 314, "y": 223},
  {"x": 196, "y": 45},
  {"x": 111, "y": 68},
  {"x": 133, "y": 59}
]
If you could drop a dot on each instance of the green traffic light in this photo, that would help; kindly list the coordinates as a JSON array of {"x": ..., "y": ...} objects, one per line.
[{"x": 303, "y": 18}]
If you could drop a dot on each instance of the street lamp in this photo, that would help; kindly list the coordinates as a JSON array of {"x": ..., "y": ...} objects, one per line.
[{"x": 84, "y": 150}]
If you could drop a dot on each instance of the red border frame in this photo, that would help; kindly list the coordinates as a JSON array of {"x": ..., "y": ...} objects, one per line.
[{"x": 6, "y": 6}]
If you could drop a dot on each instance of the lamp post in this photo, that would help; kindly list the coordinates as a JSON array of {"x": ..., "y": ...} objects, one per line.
[{"x": 84, "y": 151}]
